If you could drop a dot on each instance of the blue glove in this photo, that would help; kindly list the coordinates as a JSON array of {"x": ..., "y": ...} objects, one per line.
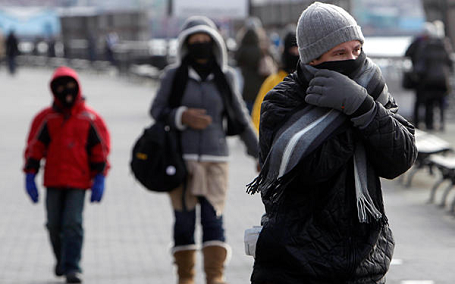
[
  {"x": 97, "y": 188},
  {"x": 30, "y": 185}
]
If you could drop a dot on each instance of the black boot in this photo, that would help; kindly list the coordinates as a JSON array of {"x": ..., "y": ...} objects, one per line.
[{"x": 58, "y": 270}]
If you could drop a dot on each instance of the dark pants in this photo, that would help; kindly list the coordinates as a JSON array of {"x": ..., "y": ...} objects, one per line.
[
  {"x": 429, "y": 113},
  {"x": 185, "y": 224},
  {"x": 64, "y": 223},
  {"x": 11, "y": 64},
  {"x": 429, "y": 98}
]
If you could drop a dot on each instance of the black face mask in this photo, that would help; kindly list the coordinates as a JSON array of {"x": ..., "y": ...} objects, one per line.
[
  {"x": 289, "y": 62},
  {"x": 345, "y": 67},
  {"x": 200, "y": 50},
  {"x": 64, "y": 87}
]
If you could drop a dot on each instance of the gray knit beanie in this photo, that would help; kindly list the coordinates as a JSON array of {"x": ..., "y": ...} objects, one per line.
[{"x": 323, "y": 26}]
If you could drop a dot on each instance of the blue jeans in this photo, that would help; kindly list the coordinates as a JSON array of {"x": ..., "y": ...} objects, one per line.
[
  {"x": 64, "y": 223},
  {"x": 185, "y": 224}
]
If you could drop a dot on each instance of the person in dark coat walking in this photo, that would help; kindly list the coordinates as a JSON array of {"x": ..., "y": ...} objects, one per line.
[
  {"x": 252, "y": 50},
  {"x": 431, "y": 65},
  {"x": 12, "y": 51},
  {"x": 289, "y": 59},
  {"x": 328, "y": 132}
]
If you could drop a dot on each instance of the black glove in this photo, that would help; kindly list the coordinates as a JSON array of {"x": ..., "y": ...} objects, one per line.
[{"x": 335, "y": 90}]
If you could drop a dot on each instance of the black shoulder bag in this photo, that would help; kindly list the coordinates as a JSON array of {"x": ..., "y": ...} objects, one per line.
[{"x": 156, "y": 159}]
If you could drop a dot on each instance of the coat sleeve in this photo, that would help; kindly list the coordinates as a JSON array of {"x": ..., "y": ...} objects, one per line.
[
  {"x": 98, "y": 146},
  {"x": 160, "y": 106},
  {"x": 37, "y": 142},
  {"x": 389, "y": 142}
]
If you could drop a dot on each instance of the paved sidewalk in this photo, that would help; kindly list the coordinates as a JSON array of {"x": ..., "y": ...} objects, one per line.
[{"x": 128, "y": 235}]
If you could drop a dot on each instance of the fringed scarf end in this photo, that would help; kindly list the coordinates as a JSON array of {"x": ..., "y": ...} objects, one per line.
[
  {"x": 253, "y": 187},
  {"x": 269, "y": 188},
  {"x": 366, "y": 210}
]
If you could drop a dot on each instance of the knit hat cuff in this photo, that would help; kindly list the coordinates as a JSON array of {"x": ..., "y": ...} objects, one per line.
[{"x": 316, "y": 49}]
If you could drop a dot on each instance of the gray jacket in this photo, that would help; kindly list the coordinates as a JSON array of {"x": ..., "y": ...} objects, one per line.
[{"x": 209, "y": 144}]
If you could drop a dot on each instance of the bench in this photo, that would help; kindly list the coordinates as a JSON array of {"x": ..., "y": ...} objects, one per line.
[
  {"x": 446, "y": 165},
  {"x": 427, "y": 145},
  {"x": 145, "y": 71}
]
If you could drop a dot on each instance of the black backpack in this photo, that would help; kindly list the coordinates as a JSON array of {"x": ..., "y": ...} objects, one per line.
[{"x": 156, "y": 159}]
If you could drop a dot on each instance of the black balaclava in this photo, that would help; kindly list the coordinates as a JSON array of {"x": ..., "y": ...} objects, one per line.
[
  {"x": 201, "y": 50},
  {"x": 64, "y": 90},
  {"x": 289, "y": 61},
  {"x": 345, "y": 67}
]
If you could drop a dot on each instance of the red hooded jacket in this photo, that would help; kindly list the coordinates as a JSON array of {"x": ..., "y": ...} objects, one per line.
[{"x": 74, "y": 141}]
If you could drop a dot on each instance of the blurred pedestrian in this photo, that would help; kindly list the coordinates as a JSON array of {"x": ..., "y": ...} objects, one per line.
[
  {"x": 289, "y": 59},
  {"x": 37, "y": 46},
  {"x": 2, "y": 47},
  {"x": 431, "y": 65},
  {"x": 91, "y": 47},
  {"x": 254, "y": 60},
  {"x": 204, "y": 86},
  {"x": 12, "y": 51},
  {"x": 74, "y": 141},
  {"x": 328, "y": 132},
  {"x": 51, "y": 47},
  {"x": 111, "y": 40}
]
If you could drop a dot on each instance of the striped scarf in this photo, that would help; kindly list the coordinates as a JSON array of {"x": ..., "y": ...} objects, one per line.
[{"x": 307, "y": 129}]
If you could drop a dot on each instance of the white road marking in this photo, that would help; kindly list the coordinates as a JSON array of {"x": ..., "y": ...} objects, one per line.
[{"x": 396, "y": 261}]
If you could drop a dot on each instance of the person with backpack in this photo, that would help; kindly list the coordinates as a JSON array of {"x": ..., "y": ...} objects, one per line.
[
  {"x": 431, "y": 65},
  {"x": 75, "y": 142},
  {"x": 205, "y": 107}
]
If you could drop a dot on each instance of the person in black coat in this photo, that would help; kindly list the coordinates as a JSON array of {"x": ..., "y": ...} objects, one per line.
[
  {"x": 328, "y": 132},
  {"x": 432, "y": 66},
  {"x": 253, "y": 49},
  {"x": 11, "y": 51}
]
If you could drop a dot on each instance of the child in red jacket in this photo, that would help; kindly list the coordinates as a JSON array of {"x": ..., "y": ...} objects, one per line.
[{"x": 75, "y": 142}]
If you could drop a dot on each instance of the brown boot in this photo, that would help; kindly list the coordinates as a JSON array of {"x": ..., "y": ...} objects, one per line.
[
  {"x": 185, "y": 260},
  {"x": 214, "y": 259}
]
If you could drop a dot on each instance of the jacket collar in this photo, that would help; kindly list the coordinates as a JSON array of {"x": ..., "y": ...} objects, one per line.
[{"x": 195, "y": 76}]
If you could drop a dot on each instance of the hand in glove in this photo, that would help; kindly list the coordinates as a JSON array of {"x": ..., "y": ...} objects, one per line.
[
  {"x": 335, "y": 90},
  {"x": 97, "y": 188},
  {"x": 30, "y": 185}
]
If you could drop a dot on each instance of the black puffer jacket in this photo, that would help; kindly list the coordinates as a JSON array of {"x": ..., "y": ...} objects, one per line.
[{"x": 313, "y": 235}]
